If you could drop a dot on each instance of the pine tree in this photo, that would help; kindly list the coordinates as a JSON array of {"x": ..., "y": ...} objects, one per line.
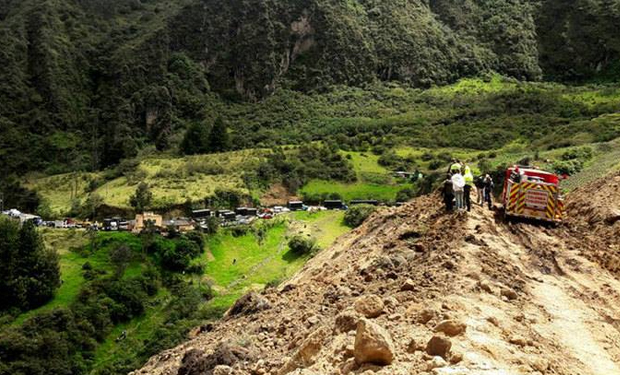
[{"x": 219, "y": 139}]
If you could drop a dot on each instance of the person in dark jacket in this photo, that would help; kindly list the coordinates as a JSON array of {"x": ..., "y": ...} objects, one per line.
[
  {"x": 448, "y": 194},
  {"x": 479, "y": 182},
  {"x": 488, "y": 190}
]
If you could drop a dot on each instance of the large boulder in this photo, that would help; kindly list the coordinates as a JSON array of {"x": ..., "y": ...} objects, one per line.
[
  {"x": 439, "y": 346},
  {"x": 373, "y": 344},
  {"x": 371, "y": 306}
]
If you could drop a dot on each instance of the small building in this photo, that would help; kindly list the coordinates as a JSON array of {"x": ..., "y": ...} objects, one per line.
[
  {"x": 146, "y": 219},
  {"x": 295, "y": 205},
  {"x": 334, "y": 204},
  {"x": 201, "y": 214},
  {"x": 180, "y": 224}
]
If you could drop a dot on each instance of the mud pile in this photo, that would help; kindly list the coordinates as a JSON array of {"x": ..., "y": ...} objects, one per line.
[
  {"x": 593, "y": 222},
  {"x": 414, "y": 291}
]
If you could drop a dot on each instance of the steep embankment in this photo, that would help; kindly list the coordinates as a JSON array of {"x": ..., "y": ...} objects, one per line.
[{"x": 424, "y": 291}]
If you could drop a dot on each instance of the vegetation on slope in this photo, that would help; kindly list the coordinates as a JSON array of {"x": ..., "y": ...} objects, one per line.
[
  {"x": 152, "y": 288},
  {"x": 84, "y": 86}
]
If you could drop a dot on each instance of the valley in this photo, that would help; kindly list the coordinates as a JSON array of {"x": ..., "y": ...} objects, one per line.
[{"x": 266, "y": 187}]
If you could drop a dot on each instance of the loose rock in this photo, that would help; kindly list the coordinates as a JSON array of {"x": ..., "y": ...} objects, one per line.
[
  {"x": 456, "y": 358},
  {"x": 345, "y": 322},
  {"x": 371, "y": 306},
  {"x": 373, "y": 344},
  {"x": 518, "y": 340},
  {"x": 408, "y": 285},
  {"x": 425, "y": 316},
  {"x": 439, "y": 345},
  {"x": 436, "y": 362},
  {"x": 222, "y": 370},
  {"x": 451, "y": 327},
  {"x": 509, "y": 294}
]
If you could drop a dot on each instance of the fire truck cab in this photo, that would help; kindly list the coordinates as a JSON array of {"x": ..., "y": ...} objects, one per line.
[{"x": 532, "y": 193}]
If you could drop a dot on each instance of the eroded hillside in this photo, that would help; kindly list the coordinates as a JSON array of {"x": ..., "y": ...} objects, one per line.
[{"x": 415, "y": 290}]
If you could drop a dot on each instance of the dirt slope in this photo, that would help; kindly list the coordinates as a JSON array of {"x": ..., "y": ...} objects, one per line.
[{"x": 500, "y": 298}]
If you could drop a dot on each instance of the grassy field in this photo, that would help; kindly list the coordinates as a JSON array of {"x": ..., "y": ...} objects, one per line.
[
  {"x": 358, "y": 190},
  {"x": 259, "y": 262},
  {"x": 173, "y": 180}
]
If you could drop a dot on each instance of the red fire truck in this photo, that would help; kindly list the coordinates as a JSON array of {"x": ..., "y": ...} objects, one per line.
[{"x": 532, "y": 193}]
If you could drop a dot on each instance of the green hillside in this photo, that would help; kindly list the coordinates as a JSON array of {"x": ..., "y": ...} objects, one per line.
[{"x": 86, "y": 84}]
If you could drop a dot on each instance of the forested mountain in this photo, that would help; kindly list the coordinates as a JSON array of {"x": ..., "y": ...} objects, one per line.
[{"x": 86, "y": 83}]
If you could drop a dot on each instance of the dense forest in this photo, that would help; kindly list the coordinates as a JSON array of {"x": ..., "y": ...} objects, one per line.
[{"x": 87, "y": 83}]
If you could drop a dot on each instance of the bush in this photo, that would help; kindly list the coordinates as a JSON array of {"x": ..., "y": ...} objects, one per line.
[
  {"x": 405, "y": 195},
  {"x": 583, "y": 153},
  {"x": 435, "y": 164},
  {"x": 356, "y": 215},
  {"x": 196, "y": 237},
  {"x": 427, "y": 156},
  {"x": 569, "y": 167},
  {"x": 302, "y": 245}
]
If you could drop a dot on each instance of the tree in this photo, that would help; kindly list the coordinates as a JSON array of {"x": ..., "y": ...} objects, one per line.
[
  {"x": 92, "y": 204},
  {"x": 120, "y": 257},
  {"x": 142, "y": 199},
  {"x": 196, "y": 139},
  {"x": 219, "y": 139},
  {"x": 29, "y": 273}
]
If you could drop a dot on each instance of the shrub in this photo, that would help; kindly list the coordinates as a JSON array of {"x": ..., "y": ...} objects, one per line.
[
  {"x": 356, "y": 215},
  {"x": 435, "y": 164},
  {"x": 196, "y": 237},
  {"x": 405, "y": 194},
  {"x": 302, "y": 245},
  {"x": 583, "y": 153},
  {"x": 427, "y": 156},
  {"x": 569, "y": 167}
]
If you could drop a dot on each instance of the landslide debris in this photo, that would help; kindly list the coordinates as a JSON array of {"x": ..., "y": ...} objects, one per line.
[
  {"x": 593, "y": 226},
  {"x": 415, "y": 290}
]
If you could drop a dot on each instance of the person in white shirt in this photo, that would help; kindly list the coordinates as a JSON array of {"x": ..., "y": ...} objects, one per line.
[{"x": 458, "y": 184}]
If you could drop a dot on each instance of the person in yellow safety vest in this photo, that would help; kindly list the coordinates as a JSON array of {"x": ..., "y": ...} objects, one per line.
[
  {"x": 469, "y": 185},
  {"x": 455, "y": 167}
]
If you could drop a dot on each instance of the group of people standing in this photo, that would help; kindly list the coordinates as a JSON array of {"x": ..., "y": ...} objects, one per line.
[{"x": 459, "y": 184}]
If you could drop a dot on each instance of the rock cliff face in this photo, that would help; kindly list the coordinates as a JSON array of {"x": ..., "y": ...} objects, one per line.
[{"x": 417, "y": 291}]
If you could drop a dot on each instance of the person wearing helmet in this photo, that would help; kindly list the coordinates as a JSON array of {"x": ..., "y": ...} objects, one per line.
[
  {"x": 454, "y": 167},
  {"x": 469, "y": 185}
]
